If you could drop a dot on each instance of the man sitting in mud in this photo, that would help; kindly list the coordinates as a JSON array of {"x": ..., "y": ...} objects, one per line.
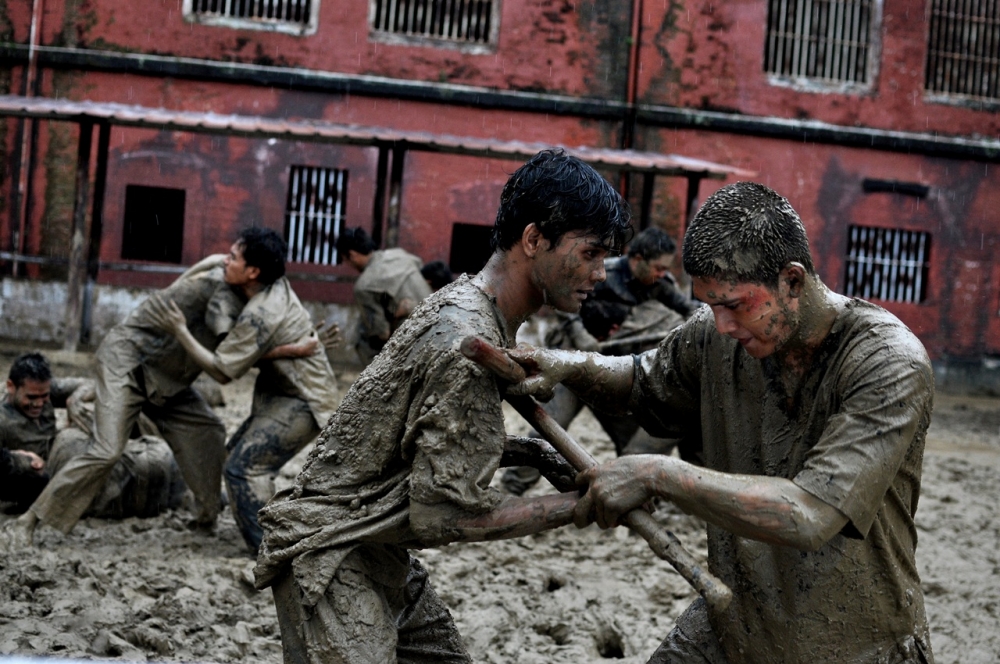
[
  {"x": 144, "y": 482},
  {"x": 811, "y": 409},
  {"x": 389, "y": 287},
  {"x": 142, "y": 369},
  {"x": 407, "y": 460},
  {"x": 292, "y": 397}
]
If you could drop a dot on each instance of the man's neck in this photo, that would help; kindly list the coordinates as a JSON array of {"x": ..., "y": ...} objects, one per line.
[
  {"x": 817, "y": 312},
  {"x": 251, "y": 289},
  {"x": 506, "y": 277}
]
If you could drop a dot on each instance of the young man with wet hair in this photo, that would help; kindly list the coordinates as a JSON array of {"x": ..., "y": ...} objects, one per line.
[
  {"x": 811, "y": 409},
  {"x": 389, "y": 287},
  {"x": 406, "y": 461},
  {"x": 293, "y": 396},
  {"x": 142, "y": 369}
]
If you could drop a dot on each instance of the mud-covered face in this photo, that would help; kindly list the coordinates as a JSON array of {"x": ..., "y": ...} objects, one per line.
[
  {"x": 237, "y": 272},
  {"x": 30, "y": 398},
  {"x": 760, "y": 318},
  {"x": 647, "y": 272},
  {"x": 567, "y": 273}
]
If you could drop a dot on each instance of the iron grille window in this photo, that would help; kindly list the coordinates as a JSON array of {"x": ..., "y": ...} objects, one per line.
[
  {"x": 314, "y": 214},
  {"x": 828, "y": 40},
  {"x": 963, "y": 48},
  {"x": 462, "y": 21},
  {"x": 296, "y": 16},
  {"x": 887, "y": 264}
]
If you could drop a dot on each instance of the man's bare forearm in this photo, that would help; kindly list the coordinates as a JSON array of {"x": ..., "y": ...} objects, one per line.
[
  {"x": 603, "y": 381},
  {"x": 514, "y": 517},
  {"x": 769, "y": 509}
]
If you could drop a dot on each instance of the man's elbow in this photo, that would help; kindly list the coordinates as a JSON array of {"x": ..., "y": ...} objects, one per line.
[{"x": 814, "y": 529}]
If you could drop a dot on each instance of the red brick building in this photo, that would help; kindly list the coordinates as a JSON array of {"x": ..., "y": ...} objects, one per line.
[{"x": 878, "y": 119}]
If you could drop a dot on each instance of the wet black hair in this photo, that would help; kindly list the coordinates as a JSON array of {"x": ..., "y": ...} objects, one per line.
[
  {"x": 560, "y": 194},
  {"x": 599, "y": 316},
  {"x": 745, "y": 232},
  {"x": 30, "y": 365},
  {"x": 354, "y": 239},
  {"x": 652, "y": 243},
  {"x": 437, "y": 274},
  {"x": 265, "y": 250}
]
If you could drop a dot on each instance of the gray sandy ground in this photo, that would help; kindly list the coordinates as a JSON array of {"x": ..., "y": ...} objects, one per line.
[{"x": 150, "y": 589}]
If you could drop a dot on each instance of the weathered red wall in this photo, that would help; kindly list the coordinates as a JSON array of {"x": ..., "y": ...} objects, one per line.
[{"x": 697, "y": 54}]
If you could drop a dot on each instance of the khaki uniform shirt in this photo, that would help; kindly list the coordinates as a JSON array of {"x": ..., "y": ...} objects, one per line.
[
  {"x": 19, "y": 432},
  {"x": 852, "y": 435},
  {"x": 391, "y": 276},
  {"x": 421, "y": 423},
  {"x": 209, "y": 305},
  {"x": 271, "y": 318}
]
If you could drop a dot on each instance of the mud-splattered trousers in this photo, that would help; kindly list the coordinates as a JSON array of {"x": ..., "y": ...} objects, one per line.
[
  {"x": 194, "y": 433},
  {"x": 380, "y": 592},
  {"x": 278, "y": 427}
]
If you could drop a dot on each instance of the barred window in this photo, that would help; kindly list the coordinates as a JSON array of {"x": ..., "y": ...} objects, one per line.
[
  {"x": 314, "y": 214},
  {"x": 463, "y": 22},
  {"x": 825, "y": 40},
  {"x": 887, "y": 264},
  {"x": 963, "y": 48},
  {"x": 294, "y": 16}
]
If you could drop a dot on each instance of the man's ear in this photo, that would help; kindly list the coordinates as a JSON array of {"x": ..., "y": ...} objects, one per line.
[
  {"x": 253, "y": 272},
  {"x": 11, "y": 388},
  {"x": 532, "y": 240},
  {"x": 794, "y": 275}
]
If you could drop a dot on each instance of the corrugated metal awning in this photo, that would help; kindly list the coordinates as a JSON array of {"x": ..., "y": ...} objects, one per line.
[{"x": 250, "y": 126}]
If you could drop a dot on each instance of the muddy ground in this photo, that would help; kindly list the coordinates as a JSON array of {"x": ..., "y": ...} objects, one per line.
[{"x": 151, "y": 589}]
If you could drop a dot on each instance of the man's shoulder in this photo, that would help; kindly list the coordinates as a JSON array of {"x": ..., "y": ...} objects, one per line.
[{"x": 867, "y": 326}]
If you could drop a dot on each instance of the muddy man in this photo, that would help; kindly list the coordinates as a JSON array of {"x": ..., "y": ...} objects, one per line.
[
  {"x": 407, "y": 459},
  {"x": 811, "y": 411}
]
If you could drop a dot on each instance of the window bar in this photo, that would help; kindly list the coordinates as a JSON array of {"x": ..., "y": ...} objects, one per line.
[
  {"x": 894, "y": 266},
  {"x": 290, "y": 219},
  {"x": 805, "y": 39},
  {"x": 306, "y": 212},
  {"x": 837, "y": 39},
  {"x": 796, "y": 39},
  {"x": 319, "y": 208},
  {"x": 965, "y": 55},
  {"x": 777, "y": 56}
]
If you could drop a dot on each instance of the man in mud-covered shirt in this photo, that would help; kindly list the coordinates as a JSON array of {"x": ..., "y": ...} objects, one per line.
[
  {"x": 407, "y": 459},
  {"x": 389, "y": 287},
  {"x": 811, "y": 409},
  {"x": 143, "y": 482},
  {"x": 293, "y": 396}
]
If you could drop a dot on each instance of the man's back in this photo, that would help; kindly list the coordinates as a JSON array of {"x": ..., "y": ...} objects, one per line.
[{"x": 371, "y": 459}]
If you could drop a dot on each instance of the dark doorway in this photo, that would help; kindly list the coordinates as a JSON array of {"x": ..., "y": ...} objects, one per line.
[
  {"x": 154, "y": 224},
  {"x": 470, "y": 247}
]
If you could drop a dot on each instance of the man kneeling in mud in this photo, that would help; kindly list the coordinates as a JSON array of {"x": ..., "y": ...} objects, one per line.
[{"x": 406, "y": 461}]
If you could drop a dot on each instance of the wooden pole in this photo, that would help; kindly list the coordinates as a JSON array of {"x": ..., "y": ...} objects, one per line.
[{"x": 78, "y": 241}]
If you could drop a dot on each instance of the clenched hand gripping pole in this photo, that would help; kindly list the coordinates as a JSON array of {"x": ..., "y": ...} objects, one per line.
[{"x": 663, "y": 542}]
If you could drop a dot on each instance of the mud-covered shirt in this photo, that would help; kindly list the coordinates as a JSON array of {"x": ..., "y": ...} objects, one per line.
[
  {"x": 852, "y": 434},
  {"x": 155, "y": 358},
  {"x": 422, "y": 423},
  {"x": 391, "y": 276},
  {"x": 275, "y": 317},
  {"x": 19, "y": 432}
]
